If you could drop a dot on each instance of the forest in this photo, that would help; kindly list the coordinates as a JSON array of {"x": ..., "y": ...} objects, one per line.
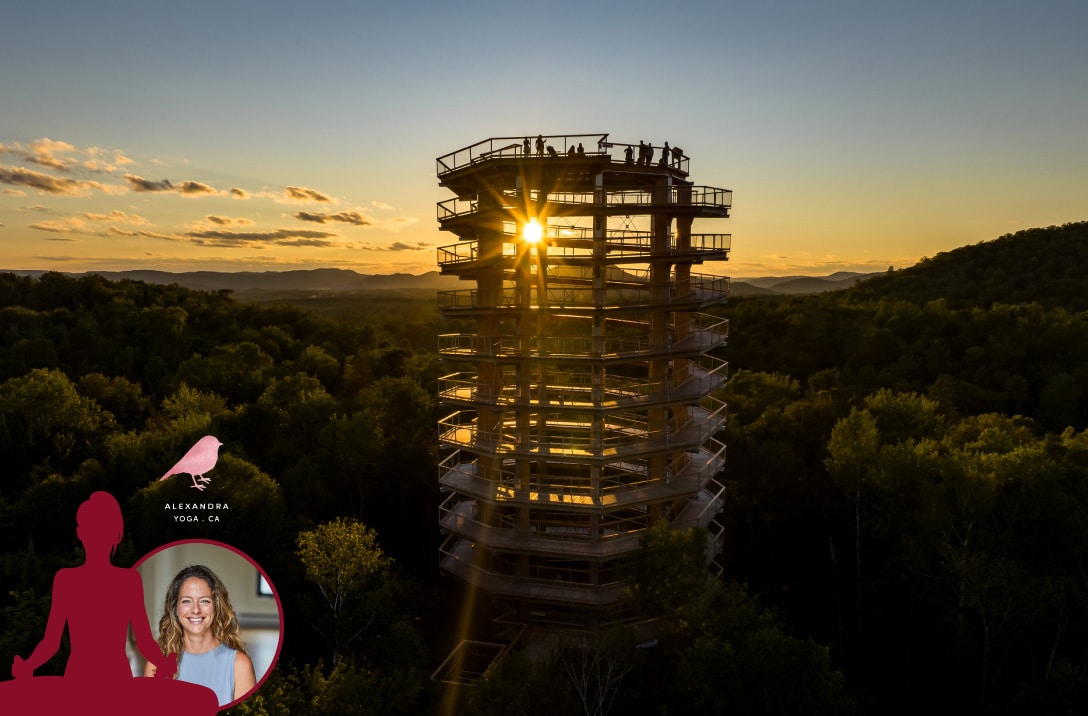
[{"x": 907, "y": 488}]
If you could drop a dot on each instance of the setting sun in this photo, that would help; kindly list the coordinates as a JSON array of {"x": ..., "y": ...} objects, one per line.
[{"x": 533, "y": 231}]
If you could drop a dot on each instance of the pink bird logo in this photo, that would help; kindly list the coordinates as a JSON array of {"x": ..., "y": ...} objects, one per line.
[{"x": 200, "y": 459}]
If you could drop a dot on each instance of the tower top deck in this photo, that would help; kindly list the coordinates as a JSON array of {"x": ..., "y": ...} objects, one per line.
[{"x": 596, "y": 149}]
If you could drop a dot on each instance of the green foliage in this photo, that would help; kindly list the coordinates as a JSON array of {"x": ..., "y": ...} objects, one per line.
[
  {"x": 1041, "y": 265},
  {"x": 345, "y": 690},
  {"x": 353, "y": 575},
  {"x": 44, "y": 424},
  {"x": 518, "y": 685},
  {"x": 669, "y": 570}
]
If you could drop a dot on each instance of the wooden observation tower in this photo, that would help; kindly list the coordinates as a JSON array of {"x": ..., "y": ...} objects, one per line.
[{"x": 583, "y": 401}]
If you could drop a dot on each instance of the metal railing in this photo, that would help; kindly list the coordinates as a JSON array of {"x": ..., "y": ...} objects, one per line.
[
  {"x": 558, "y": 146},
  {"x": 575, "y": 389},
  {"x": 620, "y": 434},
  {"x": 679, "y": 199},
  {"x": 578, "y": 244},
  {"x": 634, "y": 292},
  {"x": 707, "y": 331},
  {"x": 520, "y": 147}
]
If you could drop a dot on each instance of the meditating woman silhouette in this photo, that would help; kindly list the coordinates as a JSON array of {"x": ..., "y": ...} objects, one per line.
[{"x": 98, "y": 602}]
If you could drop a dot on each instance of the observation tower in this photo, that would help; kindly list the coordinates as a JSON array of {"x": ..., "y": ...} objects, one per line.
[{"x": 583, "y": 400}]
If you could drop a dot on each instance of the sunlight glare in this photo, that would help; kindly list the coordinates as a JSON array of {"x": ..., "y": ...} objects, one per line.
[{"x": 533, "y": 231}]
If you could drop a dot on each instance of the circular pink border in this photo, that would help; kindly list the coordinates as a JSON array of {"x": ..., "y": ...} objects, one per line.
[{"x": 259, "y": 568}]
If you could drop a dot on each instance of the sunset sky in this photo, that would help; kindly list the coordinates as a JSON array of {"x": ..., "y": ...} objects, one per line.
[{"x": 231, "y": 135}]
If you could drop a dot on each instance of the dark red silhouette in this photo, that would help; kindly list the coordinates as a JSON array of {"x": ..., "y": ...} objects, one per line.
[{"x": 98, "y": 602}]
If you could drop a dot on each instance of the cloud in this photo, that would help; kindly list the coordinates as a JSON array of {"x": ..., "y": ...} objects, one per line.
[
  {"x": 227, "y": 221},
  {"x": 63, "y": 157},
  {"x": 236, "y": 193},
  {"x": 118, "y": 217},
  {"x": 17, "y": 176},
  {"x": 139, "y": 184},
  {"x": 79, "y": 224},
  {"x": 104, "y": 160},
  {"x": 347, "y": 217},
  {"x": 356, "y": 218},
  {"x": 114, "y": 231},
  {"x": 14, "y": 192},
  {"x": 185, "y": 188},
  {"x": 298, "y": 193},
  {"x": 194, "y": 188},
  {"x": 59, "y": 238},
  {"x": 44, "y": 152},
  {"x": 250, "y": 239},
  {"x": 398, "y": 246},
  {"x": 381, "y": 205},
  {"x": 70, "y": 225}
]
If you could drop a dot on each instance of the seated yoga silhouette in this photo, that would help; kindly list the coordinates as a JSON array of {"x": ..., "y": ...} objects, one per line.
[{"x": 98, "y": 602}]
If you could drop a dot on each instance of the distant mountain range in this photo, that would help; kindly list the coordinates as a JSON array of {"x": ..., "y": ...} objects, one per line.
[
  {"x": 341, "y": 280},
  {"x": 795, "y": 285},
  {"x": 320, "y": 280}
]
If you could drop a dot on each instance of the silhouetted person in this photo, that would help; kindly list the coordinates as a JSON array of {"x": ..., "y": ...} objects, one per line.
[
  {"x": 572, "y": 151},
  {"x": 581, "y": 150},
  {"x": 539, "y": 145},
  {"x": 99, "y": 602},
  {"x": 552, "y": 152},
  {"x": 641, "y": 153},
  {"x": 629, "y": 155},
  {"x": 525, "y": 147},
  {"x": 664, "y": 155}
]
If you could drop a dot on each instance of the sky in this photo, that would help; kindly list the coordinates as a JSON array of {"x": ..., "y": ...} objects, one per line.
[{"x": 269, "y": 136}]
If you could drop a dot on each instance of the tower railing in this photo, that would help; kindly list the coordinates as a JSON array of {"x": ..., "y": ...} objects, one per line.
[
  {"x": 579, "y": 245},
  {"x": 523, "y": 147},
  {"x": 707, "y": 331},
  {"x": 681, "y": 199},
  {"x": 701, "y": 290}
]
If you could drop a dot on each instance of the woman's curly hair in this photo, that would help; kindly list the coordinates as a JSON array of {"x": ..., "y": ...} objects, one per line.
[{"x": 225, "y": 625}]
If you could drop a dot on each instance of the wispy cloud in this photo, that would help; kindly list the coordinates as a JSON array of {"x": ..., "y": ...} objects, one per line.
[
  {"x": 356, "y": 218},
  {"x": 194, "y": 188},
  {"x": 236, "y": 193},
  {"x": 118, "y": 217},
  {"x": 347, "y": 217},
  {"x": 299, "y": 193},
  {"x": 139, "y": 184},
  {"x": 45, "y": 152},
  {"x": 256, "y": 239},
  {"x": 227, "y": 221},
  {"x": 82, "y": 224},
  {"x": 61, "y": 186},
  {"x": 114, "y": 231},
  {"x": 398, "y": 246},
  {"x": 69, "y": 225}
]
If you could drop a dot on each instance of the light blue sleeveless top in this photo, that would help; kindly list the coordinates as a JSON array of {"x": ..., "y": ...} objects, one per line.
[{"x": 214, "y": 669}]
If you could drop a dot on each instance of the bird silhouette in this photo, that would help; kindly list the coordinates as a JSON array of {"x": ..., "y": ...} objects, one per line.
[{"x": 200, "y": 459}]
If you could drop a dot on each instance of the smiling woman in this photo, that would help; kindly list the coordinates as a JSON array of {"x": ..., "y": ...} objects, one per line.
[{"x": 199, "y": 625}]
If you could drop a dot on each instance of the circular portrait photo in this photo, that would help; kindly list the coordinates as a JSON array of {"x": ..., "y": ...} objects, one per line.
[{"x": 217, "y": 610}]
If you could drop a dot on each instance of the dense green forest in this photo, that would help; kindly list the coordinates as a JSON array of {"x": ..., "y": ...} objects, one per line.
[{"x": 907, "y": 481}]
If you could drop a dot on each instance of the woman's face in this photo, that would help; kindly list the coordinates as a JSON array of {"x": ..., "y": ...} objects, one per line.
[{"x": 195, "y": 607}]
